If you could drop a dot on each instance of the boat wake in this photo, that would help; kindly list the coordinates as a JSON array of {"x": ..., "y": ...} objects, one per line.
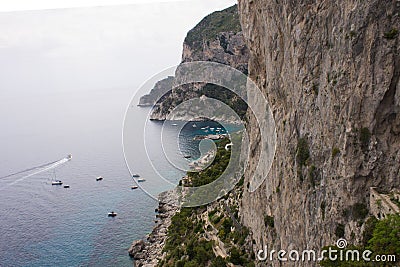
[{"x": 36, "y": 170}]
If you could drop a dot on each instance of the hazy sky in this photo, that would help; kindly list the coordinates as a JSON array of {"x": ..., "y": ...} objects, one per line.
[
  {"x": 92, "y": 48},
  {"x": 17, "y": 5}
]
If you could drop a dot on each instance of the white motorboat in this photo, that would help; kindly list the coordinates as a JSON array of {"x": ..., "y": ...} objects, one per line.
[{"x": 56, "y": 182}]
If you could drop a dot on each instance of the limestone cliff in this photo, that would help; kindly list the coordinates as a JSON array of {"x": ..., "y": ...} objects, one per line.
[
  {"x": 151, "y": 98},
  {"x": 330, "y": 71},
  {"x": 216, "y": 38}
]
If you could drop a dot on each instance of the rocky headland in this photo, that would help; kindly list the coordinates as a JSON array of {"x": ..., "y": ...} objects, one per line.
[
  {"x": 217, "y": 38},
  {"x": 148, "y": 252}
]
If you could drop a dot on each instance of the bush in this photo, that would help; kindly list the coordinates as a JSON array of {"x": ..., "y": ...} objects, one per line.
[
  {"x": 365, "y": 136},
  {"x": 391, "y": 34},
  {"x": 227, "y": 224},
  {"x": 303, "y": 154},
  {"x": 382, "y": 237},
  {"x": 368, "y": 229},
  {"x": 235, "y": 257},
  {"x": 191, "y": 264},
  {"x": 358, "y": 211},
  {"x": 216, "y": 219},
  {"x": 218, "y": 262},
  {"x": 269, "y": 221},
  {"x": 215, "y": 170},
  {"x": 323, "y": 208},
  {"x": 339, "y": 231},
  {"x": 213, "y": 24},
  {"x": 335, "y": 152},
  {"x": 386, "y": 236}
]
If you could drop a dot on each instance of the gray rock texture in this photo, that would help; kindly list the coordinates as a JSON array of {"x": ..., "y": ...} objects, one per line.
[
  {"x": 148, "y": 252},
  {"x": 330, "y": 71}
]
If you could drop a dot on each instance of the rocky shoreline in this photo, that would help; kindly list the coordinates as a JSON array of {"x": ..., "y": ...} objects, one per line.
[{"x": 147, "y": 252}]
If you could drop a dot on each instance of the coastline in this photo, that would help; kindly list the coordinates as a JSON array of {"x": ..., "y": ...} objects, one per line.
[
  {"x": 146, "y": 252},
  {"x": 190, "y": 119}
]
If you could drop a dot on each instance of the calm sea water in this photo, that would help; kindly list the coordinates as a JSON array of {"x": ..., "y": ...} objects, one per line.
[{"x": 45, "y": 225}]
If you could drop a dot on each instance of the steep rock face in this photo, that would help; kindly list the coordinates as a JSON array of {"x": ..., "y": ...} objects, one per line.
[
  {"x": 226, "y": 48},
  {"x": 151, "y": 98},
  {"x": 216, "y": 38},
  {"x": 330, "y": 71}
]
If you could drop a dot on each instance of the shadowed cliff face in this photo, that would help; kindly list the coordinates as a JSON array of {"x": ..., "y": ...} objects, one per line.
[{"x": 330, "y": 71}]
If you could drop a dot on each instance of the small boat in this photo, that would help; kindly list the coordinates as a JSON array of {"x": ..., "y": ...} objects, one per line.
[
  {"x": 134, "y": 187},
  {"x": 99, "y": 178},
  {"x": 187, "y": 156},
  {"x": 66, "y": 186},
  {"x": 56, "y": 182},
  {"x": 69, "y": 157},
  {"x": 112, "y": 214},
  {"x": 194, "y": 126},
  {"x": 141, "y": 180},
  {"x": 174, "y": 124},
  {"x": 203, "y": 128},
  {"x": 135, "y": 175}
]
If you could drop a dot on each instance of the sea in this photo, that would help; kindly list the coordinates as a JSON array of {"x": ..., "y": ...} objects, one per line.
[{"x": 47, "y": 225}]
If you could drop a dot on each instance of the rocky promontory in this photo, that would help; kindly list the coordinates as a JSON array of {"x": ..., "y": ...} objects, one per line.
[
  {"x": 148, "y": 252},
  {"x": 217, "y": 38}
]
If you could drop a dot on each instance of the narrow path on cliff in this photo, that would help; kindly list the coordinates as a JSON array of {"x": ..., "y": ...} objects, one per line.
[{"x": 219, "y": 247}]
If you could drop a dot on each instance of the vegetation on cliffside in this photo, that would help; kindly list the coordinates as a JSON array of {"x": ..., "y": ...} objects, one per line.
[
  {"x": 382, "y": 237},
  {"x": 196, "y": 235},
  {"x": 226, "y": 20}
]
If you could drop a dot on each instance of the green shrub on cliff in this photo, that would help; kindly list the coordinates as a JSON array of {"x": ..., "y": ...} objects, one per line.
[
  {"x": 382, "y": 237},
  {"x": 218, "y": 262},
  {"x": 213, "y": 171},
  {"x": 269, "y": 221},
  {"x": 185, "y": 245},
  {"x": 391, "y": 34},
  {"x": 303, "y": 153},
  {"x": 365, "y": 136},
  {"x": 386, "y": 236},
  {"x": 208, "y": 28}
]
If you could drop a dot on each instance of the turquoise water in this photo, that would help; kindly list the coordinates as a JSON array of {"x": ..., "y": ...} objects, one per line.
[{"x": 45, "y": 225}]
